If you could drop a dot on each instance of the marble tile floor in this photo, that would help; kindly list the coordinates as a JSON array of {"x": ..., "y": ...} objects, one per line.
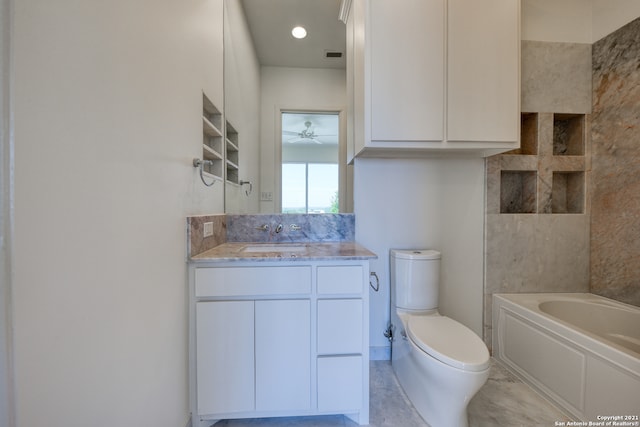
[{"x": 504, "y": 401}]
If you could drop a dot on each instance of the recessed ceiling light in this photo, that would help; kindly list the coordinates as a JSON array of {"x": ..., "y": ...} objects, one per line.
[{"x": 299, "y": 32}]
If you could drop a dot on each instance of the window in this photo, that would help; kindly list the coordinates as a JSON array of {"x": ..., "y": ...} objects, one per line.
[{"x": 309, "y": 187}]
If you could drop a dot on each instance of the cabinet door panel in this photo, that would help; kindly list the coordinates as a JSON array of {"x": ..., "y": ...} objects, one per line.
[
  {"x": 340, "y": 383},
  {"x": 340, "y": 326},
  {"x": 283, "y": 355},
  {"x": 225, "y": 356},
  {"x": 407, "y": 70},
  {"x": 483, "y": 74}
]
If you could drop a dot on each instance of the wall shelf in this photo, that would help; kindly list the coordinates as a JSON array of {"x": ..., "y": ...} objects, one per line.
[
  {"x": 529, "y": 134},
  {"x": 568, "y": 195},
  {"x": 232, "y": 147},
  {"x": 212, "y": 136},
  {"x": 518, "y": 191},
  {"x": 548, "y": 173},
  {"x": 568, "y": 134}
]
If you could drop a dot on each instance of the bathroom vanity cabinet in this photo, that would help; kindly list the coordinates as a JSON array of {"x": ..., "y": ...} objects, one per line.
[
  {"x": 279, "y": 339},
  {"x": 453, "y": 88}
]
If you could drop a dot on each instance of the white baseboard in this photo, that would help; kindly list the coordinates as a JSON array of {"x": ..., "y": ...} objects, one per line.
[{"x": 380, "y": 353}]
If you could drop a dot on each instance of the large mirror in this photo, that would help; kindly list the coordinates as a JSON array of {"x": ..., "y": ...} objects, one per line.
[{"x": 285, "y": 101}]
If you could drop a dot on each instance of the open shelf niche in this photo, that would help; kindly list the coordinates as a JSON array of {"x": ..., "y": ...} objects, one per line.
[
  {"x": 528, "y": 135},
  {"x": 547, "y": 174},
  {"x": 568, "y": 134},
  {"x": 518, "y": 191},
  {"x": 232, "y": 143},
  {"x": 212, "y": 148},
  {"x": 567, "y": 194}
]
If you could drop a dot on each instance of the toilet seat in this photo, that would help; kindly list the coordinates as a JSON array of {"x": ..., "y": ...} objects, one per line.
[{"x": 449, "y": 342}]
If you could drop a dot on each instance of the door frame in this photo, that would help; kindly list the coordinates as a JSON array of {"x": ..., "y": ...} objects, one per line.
[{"x": 345, "y": 189}]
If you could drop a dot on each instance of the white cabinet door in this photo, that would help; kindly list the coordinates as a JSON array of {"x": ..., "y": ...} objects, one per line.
[
  {"x": 407, "y": 70},
  {"x": 283, "y": 355},
  {"x": 483, "y": 102},
  {"x": 340, "y": 383},
  {"x": 441, "y": 77},
  {"x": 225, "y": 356}
]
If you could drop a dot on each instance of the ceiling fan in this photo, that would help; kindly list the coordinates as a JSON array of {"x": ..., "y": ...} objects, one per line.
[{"x": 306, "y": 135}]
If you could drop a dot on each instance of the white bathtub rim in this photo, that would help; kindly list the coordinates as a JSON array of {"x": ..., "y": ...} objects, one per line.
[
  {"x": 569, "y": 296},
  {"x": 604, "y": 349}
]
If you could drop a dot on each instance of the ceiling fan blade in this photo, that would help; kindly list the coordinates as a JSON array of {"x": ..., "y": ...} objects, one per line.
[
  {"x": 289, "y": 132},
  {"x": 294, "y": 140}
]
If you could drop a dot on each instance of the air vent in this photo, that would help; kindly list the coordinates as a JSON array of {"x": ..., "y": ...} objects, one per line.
[{"x": 329, "y": 54}]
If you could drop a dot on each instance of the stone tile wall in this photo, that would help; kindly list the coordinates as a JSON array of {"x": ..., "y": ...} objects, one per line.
[
  {"x": 530, "y": 245},
  {"x": 250, "y": 228},
  {"x": 196, "y": 242},
  {"x": 615, "y": 179},
  {"x": 537, "y": 238}
]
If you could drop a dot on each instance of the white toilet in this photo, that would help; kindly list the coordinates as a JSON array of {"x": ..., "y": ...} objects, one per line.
[{"x": 440, "y": 363}]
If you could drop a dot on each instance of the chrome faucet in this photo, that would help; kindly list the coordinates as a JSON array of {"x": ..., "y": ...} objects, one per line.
[{"x": 263, "y": 227}]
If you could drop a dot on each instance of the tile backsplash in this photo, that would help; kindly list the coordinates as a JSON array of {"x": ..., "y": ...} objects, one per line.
[
  {"x": 196, "y": 242},
  {"x": 265, "y": 228},
  {"x": 295, "y": 228}
]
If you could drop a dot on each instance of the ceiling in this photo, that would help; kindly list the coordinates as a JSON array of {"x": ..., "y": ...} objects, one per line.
[{"x": 271, "y": 21}]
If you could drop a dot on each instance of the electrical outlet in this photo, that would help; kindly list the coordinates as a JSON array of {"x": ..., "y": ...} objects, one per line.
[
  {"x": 208, "y": 229},
  {"x": 266, "y": 196}
]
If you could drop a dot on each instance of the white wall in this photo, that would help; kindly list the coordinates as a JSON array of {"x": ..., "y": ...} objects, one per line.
[
  {"x": 556, "y": 20},
  {"x": 293, "y": 89},
  {"x": 423, "y": 203},
  {"x": 108, "y": 104},
  {"x": 242, "y": 106},
  {"x": 575, "y": 21},
  {"x": 609, "y": 15}
]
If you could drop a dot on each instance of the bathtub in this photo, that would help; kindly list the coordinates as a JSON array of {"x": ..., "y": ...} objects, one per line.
[{"x": 580, "y": 351}]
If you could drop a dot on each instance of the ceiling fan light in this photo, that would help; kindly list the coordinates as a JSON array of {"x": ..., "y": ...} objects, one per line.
[{"x": 299, "y": 32}]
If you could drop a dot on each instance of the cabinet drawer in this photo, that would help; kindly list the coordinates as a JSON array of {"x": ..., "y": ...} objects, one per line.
[
  {"x": 246, "y": 281},
  {"x": 340, "y": 279},
  {"x": 340, "y": 383},
  {"x": 340, "y": 326}
]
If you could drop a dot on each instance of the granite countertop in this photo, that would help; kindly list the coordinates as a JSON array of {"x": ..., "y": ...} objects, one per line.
[{"x": 303, "y": 251}]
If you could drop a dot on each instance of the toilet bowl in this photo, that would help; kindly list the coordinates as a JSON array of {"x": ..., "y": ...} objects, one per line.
[{"x": 439, "y": 362}]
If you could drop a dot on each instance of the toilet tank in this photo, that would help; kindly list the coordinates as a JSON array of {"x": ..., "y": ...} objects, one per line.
[{"x": 415, "y": 276}]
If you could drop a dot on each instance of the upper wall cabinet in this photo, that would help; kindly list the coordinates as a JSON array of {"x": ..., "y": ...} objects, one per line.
[{"x": 433, "y": 77}]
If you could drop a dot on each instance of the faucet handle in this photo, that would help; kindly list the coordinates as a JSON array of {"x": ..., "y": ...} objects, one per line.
[
  {"x": 263, "y": 227},
  {"x": 295, "y": 227}
]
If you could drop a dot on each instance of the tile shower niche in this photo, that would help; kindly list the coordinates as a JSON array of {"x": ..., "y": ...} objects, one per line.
[
  {"x": 547, "y": 174},
  {"x": 518, "y": 191}
]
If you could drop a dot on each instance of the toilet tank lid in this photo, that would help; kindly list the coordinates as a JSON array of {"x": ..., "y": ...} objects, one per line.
[{"x": 415, "y": 253}]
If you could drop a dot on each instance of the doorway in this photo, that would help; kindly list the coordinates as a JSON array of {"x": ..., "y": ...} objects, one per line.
[{"x": 310, "y": 171}]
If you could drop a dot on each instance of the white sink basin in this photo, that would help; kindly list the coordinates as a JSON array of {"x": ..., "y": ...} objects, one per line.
[{"x": 274, "y": 248}]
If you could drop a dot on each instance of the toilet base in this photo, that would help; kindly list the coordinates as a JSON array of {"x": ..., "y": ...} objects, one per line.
[{"x": 439, "y": 392}]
